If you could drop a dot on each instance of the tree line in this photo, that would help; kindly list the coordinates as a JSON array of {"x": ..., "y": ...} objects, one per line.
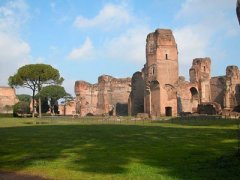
[{"x": 45, "y": 83}]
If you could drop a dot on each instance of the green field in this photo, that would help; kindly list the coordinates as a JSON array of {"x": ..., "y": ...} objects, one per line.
[{"x": 60, "y": 148}]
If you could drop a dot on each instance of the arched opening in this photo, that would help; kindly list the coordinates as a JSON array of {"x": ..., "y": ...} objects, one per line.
[
  {"x": 166, "y": 56},
  {"x": 194, "y": 98},
  {"x": 89, "y": 114},
  {"x": 194, "y": 93},
  {"x": 168, "y": 111}
]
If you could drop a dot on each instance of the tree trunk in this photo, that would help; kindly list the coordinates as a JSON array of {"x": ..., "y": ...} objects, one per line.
[
  {"x": 40, "y": 107},
  {"x": 33, "y": 104}
]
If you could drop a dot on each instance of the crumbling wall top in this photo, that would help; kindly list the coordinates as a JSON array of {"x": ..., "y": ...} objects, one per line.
[
  {"x": 200, "y": 61},
  {"x": 161, "y": 37},
  {"x": 232, "y": 71},
  {"x": 107, "y": 78}
]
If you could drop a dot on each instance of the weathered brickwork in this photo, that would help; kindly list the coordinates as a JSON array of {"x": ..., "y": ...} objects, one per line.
[
  {"x": 7, "y": 99},
  {"x": 108, "y": 96},
  {"x": 166, "y": 94},
  {"x": 157, "y": 90}
]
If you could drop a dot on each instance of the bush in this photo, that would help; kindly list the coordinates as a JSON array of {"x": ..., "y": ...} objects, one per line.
[{"x": 21, "y": 108}]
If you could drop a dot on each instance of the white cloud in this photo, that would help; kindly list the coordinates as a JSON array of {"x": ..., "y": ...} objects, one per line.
[
  {"x": 204, "y": 8},
  {"x": 110, "y": 16},
  {"x": 12, "y": 48},
  {"x": 14, "y": 52},
  {"x": 83, "y": 52},
  {"x": 207, "y": 24},
  {"x": 13, "y": 15},
  {"x": 40, "y": 60},
  {"x": 191, "y": 44},
  {"x": 129, "y": 46},
  {"x": 68, "y": 85}
]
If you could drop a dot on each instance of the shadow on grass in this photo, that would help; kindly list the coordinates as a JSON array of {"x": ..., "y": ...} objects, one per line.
[
  {"x": 201, "y": 121},
  {"x": 114, "y": 149}
]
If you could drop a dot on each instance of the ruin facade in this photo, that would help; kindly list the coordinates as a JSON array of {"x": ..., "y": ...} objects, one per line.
[
  {"x": 158, "y": 90},
  {"x": 161, "y": 92},
  {"x": 108, "y": 96},
  {"x": 7, "y": 99},
  {"x": 67, "y": 109}
]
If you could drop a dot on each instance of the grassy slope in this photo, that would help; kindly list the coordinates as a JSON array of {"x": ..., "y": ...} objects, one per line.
[{"x": 77, "y": 149}]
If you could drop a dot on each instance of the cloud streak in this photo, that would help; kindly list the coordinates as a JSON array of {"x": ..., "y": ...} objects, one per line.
[
  {"x": 128, "y": 46},
  {"x": 85, "y": 51},
  {"x": 204, "y": 25},
  {"x": 14, "y": 52},
  {"x": 109, "y": 17}
]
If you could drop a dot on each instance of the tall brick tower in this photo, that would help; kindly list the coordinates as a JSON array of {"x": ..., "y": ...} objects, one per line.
[{"x": 161, "y": 73}]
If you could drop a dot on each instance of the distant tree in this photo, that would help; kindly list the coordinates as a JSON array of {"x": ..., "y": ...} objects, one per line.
[
  {"x": 8, "y": 108},
  {"x": 24, "y": 98},
  {"x": 21, "y": 108},
  {"x": 34, "y": 77},
  {"x": 53, "y": 93},
  {"x": 66, "y": 101}
]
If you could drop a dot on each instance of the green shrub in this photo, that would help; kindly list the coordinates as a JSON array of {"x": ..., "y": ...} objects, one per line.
[{"x": 21, "y": 108}]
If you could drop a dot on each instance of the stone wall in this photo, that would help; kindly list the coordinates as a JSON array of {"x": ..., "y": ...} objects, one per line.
[
  {"x": 218, "y": 89},
  {"x": 69, "y": 109},
  {"x": 7, "y": 98},
  {"x": 165, "y": 93},
  {"x": 232, "y": 88},
  {"x": 136, "y": 98},
  {"x": 158, "y": 90},
  {"x": 200, "y": 73},
  {"x": 108, "y": 96},
  {"x": 188, "y": 96}
]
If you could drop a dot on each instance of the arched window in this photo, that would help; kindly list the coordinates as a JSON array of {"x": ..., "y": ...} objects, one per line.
[{"x": 194, "y": 93}]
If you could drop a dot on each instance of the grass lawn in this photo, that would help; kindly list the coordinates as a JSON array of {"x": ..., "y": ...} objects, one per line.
[{"x": 92, "y": 149}]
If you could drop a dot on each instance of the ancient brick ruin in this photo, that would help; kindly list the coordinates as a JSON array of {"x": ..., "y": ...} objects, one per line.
[
  {"x": 159, "y": 91},
  {"x": 156, "y": 90},
  {"x": 7, "y": 99},
  {"x": 108, "y": 96}
]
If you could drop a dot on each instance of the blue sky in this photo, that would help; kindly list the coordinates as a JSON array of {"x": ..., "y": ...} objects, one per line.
[{"x": 85, "y": 39}]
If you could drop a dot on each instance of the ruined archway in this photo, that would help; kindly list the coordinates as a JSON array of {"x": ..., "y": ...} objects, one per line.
[
  {"x": 194, "y": 93},
  {"x": 89, "y": 114},
  {"x": 194, "y": 98}
]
